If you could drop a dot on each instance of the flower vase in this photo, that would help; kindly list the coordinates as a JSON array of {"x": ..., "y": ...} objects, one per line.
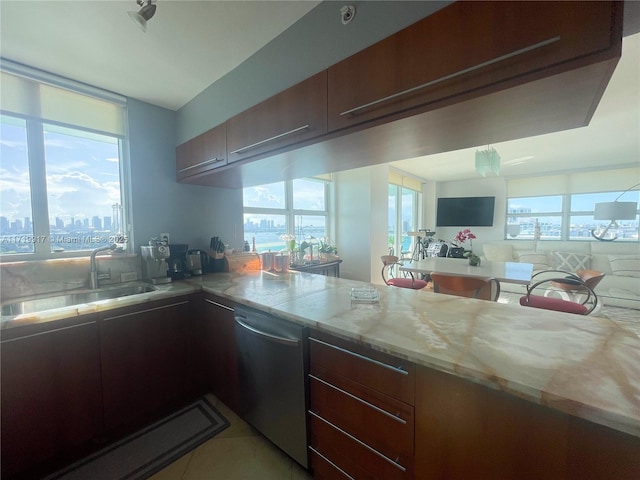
[{"x": 474, "y": 260}]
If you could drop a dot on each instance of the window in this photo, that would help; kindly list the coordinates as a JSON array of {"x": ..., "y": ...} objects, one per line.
[
  {"x": 61, "y": 163},
  {"x": 403, "y": 214},
  {"x": 298, "y": 208},
  {"x": 581, "y": 221},
  {"x": 566, "y": 217},
  {"x": 535, "y": 213}
]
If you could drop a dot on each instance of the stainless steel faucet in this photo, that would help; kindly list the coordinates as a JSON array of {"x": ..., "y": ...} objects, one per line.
[{"x": 93, "y": 266}]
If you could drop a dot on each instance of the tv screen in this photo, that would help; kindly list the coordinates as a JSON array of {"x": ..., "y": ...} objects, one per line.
[{"x": 465, "y": 212}]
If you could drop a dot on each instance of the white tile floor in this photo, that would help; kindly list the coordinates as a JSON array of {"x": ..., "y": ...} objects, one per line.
[{"x": 237, "y": 453}]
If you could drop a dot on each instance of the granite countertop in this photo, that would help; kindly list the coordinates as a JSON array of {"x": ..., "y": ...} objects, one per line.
[
  {"x": 584, "y": 366},
  {"x": 168, "y": 290}
]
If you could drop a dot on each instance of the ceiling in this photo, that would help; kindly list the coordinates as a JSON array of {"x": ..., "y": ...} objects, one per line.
[
  {"x": 191, "y": 44},
  {"x": 188, "y": 44}
]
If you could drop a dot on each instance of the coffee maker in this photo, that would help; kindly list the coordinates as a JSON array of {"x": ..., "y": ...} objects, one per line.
[
  {"x": 154, "y": 263},
  {"x": 178, "y": 261}
]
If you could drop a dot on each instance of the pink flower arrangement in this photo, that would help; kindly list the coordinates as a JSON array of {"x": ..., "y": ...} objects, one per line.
[{"x": 464, "y": 235}]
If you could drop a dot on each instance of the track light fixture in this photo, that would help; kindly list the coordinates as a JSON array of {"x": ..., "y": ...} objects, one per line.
[{"x": 147, "y": 11}]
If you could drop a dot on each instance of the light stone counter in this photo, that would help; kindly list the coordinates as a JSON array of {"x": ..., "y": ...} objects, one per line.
[
  {"x": 163, "y": 291},
  {"x": 584, "y": 366}
]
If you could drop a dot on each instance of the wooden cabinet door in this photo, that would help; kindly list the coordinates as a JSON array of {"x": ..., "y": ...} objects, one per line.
[
  {"x": 144, "y": 358},
  {"x": 219, "y": 358},
  {"x": 202, "y": 153},
  {"x": 471, "y": 48},
  {"x": 51, "y": 391},
  {"x": 464, "y": 427},
  {"x": 298, "y": 113}
]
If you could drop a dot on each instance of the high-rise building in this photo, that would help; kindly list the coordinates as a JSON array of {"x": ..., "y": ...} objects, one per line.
[{"x": 96, "y": 223}]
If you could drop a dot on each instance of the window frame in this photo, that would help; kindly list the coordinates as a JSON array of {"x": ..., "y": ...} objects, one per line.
[
  {"x": 417, "y": 202},
  {"x": 35, "y": 128},
  {"x": 565, "y": 215},
  {"x": 290, "y": 213}
]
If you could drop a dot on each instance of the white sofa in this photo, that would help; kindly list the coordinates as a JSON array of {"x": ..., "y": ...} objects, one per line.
[{"x": 619, "y": 261}]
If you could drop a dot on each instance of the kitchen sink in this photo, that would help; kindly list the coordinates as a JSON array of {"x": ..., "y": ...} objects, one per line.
[{"x": 42, "y": 303}]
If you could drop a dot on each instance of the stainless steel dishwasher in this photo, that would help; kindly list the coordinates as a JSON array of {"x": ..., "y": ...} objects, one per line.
[{"x": 273, "y": 362}]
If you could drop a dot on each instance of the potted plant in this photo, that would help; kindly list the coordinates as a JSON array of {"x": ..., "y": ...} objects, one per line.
[
  {"x": 474, "y": 260},
  {"x": 327, "y": 251},
  {"x": 463, "y": 236}
]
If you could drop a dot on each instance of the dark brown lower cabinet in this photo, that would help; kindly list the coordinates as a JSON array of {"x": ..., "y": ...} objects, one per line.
[
  {"x": 217, "y": 364},
  {"x": 465, "y": 430},
  {"x": 361, "y": 412},
  {"x": 145, "y": 361},
  {"x": 375, "y": 416},
  {"x": 51, "y": 391}
]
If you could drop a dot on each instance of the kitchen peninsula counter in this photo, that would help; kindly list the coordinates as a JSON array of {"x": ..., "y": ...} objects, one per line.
[{"x": 588, "y": 367}]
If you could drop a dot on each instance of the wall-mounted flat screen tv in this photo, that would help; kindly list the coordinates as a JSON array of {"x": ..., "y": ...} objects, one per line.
[{"x": 465, "y": 211}]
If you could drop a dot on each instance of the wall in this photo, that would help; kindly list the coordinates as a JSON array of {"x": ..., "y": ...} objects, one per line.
[
  {"x": 481, "y": 187},
  {"x": 190, "y": 213},
  {"x": 316, "y": 41},
  {"x": 361, "y": 221}
]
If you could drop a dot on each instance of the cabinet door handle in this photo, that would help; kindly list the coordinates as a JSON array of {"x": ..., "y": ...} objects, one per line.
[
  {"x": 459, "y": 73},
  {"x": 48, "y": 331},
  {"x": 219, "y": 305},
  {"x": 399, "y": 370},
  {"x": 202, "y": 164},
  {"x": 271, "y": 139},
  {"x": 138, "y": 312},
  {"x": 331, "y": 463},
  {"x": 371, "y": 449},
  {"x": 397, "y": 417}
]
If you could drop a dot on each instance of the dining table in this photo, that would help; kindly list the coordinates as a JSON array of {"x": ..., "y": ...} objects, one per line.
[{"x": 510, "y": 272}]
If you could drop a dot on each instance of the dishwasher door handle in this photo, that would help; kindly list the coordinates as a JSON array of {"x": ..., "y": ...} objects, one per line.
[{"x": 267, "y": 336}]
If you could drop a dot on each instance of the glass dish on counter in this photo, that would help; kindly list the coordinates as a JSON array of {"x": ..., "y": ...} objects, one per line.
[{"x": 365, "y": 295}]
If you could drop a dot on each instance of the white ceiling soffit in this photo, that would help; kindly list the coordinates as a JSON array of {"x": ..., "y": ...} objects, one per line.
[
  {"x": 611, "y": 140},
  {"x": 188, "y": 44}
]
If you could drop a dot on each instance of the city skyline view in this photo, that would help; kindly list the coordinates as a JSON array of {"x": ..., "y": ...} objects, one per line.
[{"x": 82, "y": 173}]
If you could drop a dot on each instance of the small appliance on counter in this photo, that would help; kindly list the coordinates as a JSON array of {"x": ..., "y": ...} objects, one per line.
[
  {"x": 178, "y": 261},
  {"x": 154, "y": 262},
  {"x": 196, "y": 262}
]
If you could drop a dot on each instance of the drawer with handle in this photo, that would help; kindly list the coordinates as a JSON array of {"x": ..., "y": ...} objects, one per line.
[
  {"x": 385, "y": 428},
  {"x": 351, "y": 457},
  {"x": 377, "y": 370}
]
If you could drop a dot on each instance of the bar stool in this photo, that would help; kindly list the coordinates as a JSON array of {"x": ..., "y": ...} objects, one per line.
[{"x": 389, "y": 263}]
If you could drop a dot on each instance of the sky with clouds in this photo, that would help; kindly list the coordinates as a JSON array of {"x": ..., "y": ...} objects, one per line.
[{"x": 82, "y": 174}]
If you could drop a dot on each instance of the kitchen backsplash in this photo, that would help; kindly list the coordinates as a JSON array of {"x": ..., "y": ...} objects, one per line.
[{"x": 21, "y": 279}]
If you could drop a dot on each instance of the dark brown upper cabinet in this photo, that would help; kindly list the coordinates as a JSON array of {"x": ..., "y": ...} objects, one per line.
[
  {"x": 202, "y": 153},
  {"x": 292, "y": 116},
  {"x": 470, "y": 48}
]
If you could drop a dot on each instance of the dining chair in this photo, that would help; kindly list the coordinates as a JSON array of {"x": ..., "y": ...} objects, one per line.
[
  {"x": 463, "y": 286},
  {"x": 571, "y": 290},
  {"x": 390, "y": 264},
  {"x": 583, "y": 303}
]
